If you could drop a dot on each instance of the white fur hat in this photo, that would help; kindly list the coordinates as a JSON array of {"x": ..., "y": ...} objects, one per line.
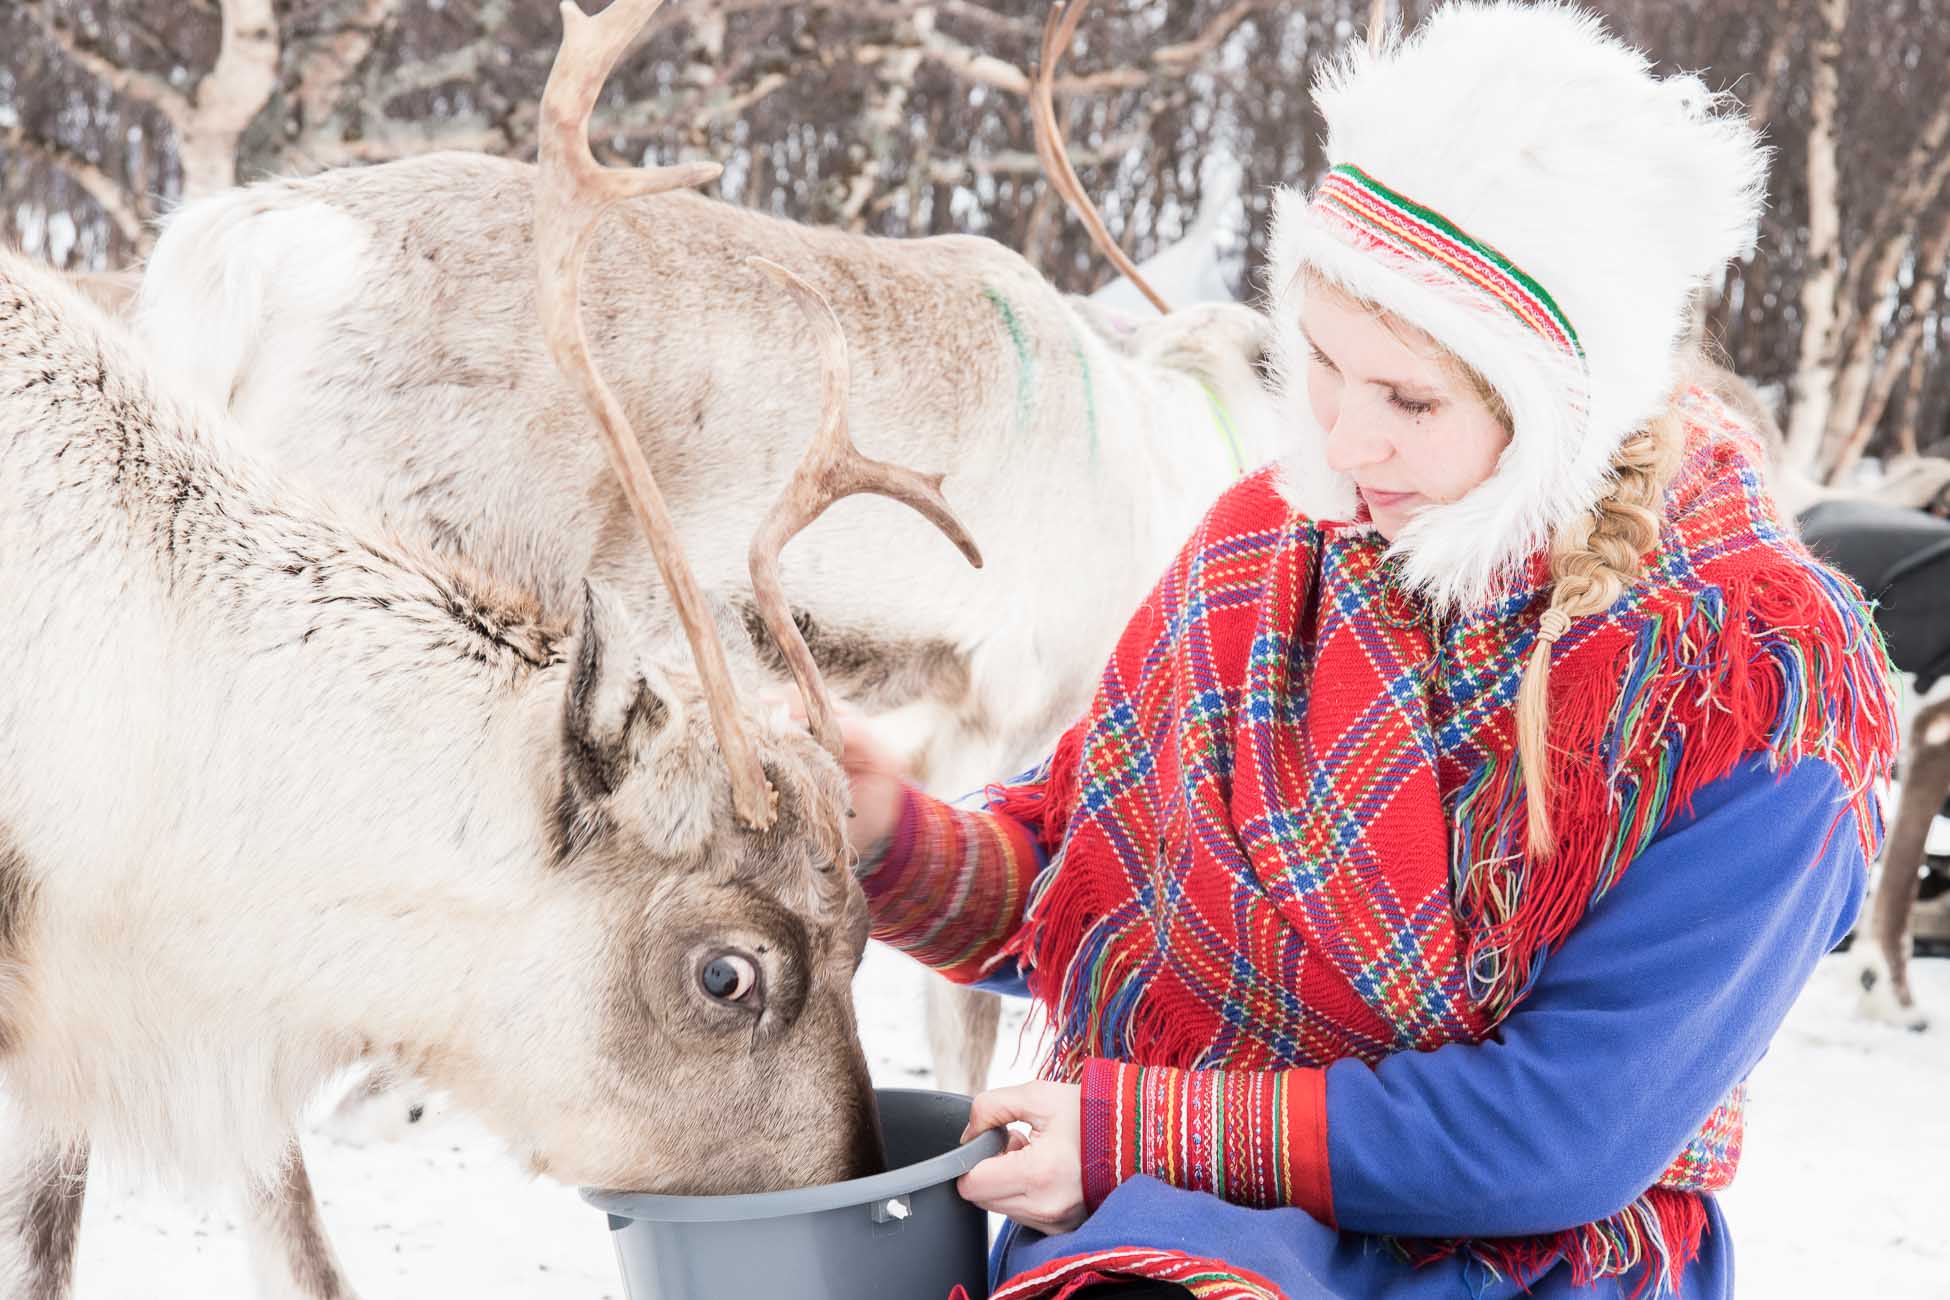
[{"x": 1503, "y": 160}]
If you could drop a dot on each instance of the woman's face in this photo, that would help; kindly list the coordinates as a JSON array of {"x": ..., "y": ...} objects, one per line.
[{"x": 1400, "y": 419}]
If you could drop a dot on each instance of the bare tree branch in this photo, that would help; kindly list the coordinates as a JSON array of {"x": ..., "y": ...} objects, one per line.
[
  {"x": 1920, "y": 179},
  {"x": 1925, "y": 292},
  {"x": 122, "y": 207},
  {"x": 737, "y": 104},
  {"x": 982, "y": 16},
  {"x": 1012, "y": 162},
  {"x": 987, "y": 70},
  {"x": 131, "y": 82},
  {"x": 406, "y": 144},
  {"x": 1773, "y": 64},
  {"x": 1178, "y": 57},
  {"x": 334, "y": 61}
]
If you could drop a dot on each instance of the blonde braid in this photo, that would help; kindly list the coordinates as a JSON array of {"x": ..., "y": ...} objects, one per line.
[{"x": 1593, "y": 561}]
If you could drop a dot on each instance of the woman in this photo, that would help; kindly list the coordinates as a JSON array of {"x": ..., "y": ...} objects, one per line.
[{"x": 1461, "y": 814}]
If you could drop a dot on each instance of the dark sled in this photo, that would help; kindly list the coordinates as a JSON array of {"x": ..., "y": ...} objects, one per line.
[{"x": 1901, "y": 559}]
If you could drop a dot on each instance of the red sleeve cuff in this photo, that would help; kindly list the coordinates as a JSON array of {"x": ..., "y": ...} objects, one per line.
[{"x": 1256, "y": 1138}]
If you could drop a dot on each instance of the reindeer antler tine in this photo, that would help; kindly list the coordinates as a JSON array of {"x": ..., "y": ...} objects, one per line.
[
  {"x": 1059, "y": 29},
  {"x": 831, "y": 468},
  {"x": 572, "y": 191}
]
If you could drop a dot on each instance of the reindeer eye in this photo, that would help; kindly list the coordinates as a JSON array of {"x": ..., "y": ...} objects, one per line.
[{"x": 728, "y": 977}]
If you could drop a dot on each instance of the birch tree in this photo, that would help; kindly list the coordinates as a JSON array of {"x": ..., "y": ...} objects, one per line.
[
  {"x": 1821, "y": 270},
  {"x": 908, "y": 117}
]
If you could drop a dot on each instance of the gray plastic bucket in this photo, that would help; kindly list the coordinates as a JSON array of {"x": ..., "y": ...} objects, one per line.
[{"x": 902, "y": 1235}]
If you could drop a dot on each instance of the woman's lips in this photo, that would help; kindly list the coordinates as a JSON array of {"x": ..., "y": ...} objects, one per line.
[{"x": 1386, "y": 500}]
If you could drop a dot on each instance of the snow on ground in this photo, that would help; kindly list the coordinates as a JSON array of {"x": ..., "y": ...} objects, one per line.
[{"x": 1844, "y": 1188}]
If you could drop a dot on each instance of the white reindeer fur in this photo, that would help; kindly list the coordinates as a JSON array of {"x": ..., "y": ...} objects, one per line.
[
  {"x": 279, "y": 806},
  {"x": 185, "y": 994},
  {"x": 373, "y": 330}
]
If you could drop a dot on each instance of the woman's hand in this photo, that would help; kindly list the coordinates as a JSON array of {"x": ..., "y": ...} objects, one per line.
[
  {"x": 875, "y": 775},
  {"x": 1038, "y": 1181}
]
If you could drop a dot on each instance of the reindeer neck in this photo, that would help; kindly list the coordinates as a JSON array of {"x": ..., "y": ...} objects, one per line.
[
  {"x": 1198, "y": 440},
  {"x": 207, "y": 663}
]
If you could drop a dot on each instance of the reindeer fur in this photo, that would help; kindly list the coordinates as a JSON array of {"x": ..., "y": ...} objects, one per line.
[
  {"x": 372, "y": 329},
  {"x": 278, "y": 794}
]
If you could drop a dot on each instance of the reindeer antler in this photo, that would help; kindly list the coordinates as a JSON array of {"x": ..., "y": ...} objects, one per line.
[
  {"x": 572, "y": 191},
  {"x": 1059, "y": 29},
  {"x": 831, "y": 468}
]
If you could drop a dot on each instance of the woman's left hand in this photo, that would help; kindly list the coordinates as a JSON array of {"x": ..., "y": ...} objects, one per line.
[{"x": 1038, "y": 1181}]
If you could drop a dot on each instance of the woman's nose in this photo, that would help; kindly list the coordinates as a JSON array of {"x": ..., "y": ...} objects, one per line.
[{"x": 1352, "y": 443}]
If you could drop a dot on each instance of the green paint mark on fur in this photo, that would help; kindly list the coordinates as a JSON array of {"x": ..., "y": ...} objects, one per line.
[
  {"x": 1227, "y": 430},
  {"x": 1089, "y": 392},
  {"x": 1025, "y": 359}
]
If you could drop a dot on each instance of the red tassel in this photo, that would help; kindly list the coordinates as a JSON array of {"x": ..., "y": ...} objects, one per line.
[{"x": 1046, "y": 803}]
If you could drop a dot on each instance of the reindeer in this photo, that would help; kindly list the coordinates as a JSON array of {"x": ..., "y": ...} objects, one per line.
[
  {"x": 1880, "y": 958},
  {"x": 278, "y": 793},
  {"x": 370, "y": 331},
  {"x": 1882, "y": 962}
]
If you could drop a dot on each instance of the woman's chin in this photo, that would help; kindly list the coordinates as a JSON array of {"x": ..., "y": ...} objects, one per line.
[{"x": 1389, "y": 523}]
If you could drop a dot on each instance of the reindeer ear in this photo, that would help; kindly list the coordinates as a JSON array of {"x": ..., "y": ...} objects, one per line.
[{"x": 617, "y": 702}]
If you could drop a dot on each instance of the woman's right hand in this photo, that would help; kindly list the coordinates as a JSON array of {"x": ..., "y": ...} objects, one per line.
[{"x": 872, "y": 771}]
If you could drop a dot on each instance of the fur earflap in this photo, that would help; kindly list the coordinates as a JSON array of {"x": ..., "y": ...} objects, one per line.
[{"x": 1536, "y": 133}]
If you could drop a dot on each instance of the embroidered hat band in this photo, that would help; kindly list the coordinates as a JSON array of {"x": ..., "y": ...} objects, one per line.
[{"x": 1373, "y": 211}]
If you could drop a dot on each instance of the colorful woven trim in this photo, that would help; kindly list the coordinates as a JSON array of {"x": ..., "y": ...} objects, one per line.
[
  {"x": 1249, "y": 1137},
  {"x": 948, "y": 887},
  {"x": 1206, "y": 1279},
  {"x": 1412, "y": 230}
]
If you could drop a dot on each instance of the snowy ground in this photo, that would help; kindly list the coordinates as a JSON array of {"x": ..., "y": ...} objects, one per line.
[{"x": 1844, "y": 1189}]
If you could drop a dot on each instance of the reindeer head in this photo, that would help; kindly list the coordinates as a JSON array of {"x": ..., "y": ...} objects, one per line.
[
  {"x": 709, "y": 1011},
  {"x": 711, "y": 832}
]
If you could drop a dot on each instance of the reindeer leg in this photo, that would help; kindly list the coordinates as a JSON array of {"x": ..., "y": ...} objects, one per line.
[
  {"x": 962, "y": 1025},
  {"x": 291, "y": 1259},
  {"x": 1926, "y": 778},
  {"x": 42, "y": 1182}
]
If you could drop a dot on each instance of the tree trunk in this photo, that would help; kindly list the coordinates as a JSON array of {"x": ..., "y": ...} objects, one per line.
[
  {"x": 1906, "y": 441},
  {"x": 1814, "y": 372},
  {"x": 1925, "y": 291},
  {"x": 228, "y": 99},
  {"x": 1876, "y": 401},
  {"x": 1916, "y": 188}
]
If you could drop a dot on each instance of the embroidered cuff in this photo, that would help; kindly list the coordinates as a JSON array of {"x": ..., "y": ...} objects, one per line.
[
  {"x": 1255, "y": 1138},
  {"x": 948, "y": 886}
]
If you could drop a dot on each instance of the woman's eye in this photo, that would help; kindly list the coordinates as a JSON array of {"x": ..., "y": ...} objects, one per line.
[
  {"x": 728, "y": 977},
  {"x": 1320, "y": 358},
  {"x": 1401, "y": 403}
]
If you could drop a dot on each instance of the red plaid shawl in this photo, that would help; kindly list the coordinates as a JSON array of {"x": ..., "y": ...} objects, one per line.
[{"x": 1291, "y": 827}]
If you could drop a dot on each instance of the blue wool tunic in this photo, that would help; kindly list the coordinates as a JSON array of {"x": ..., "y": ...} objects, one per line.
[{"x": 1662, "y": 998}]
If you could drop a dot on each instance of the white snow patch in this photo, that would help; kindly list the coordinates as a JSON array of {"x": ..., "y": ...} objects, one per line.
[{"x": 1842, "y": 1190}]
